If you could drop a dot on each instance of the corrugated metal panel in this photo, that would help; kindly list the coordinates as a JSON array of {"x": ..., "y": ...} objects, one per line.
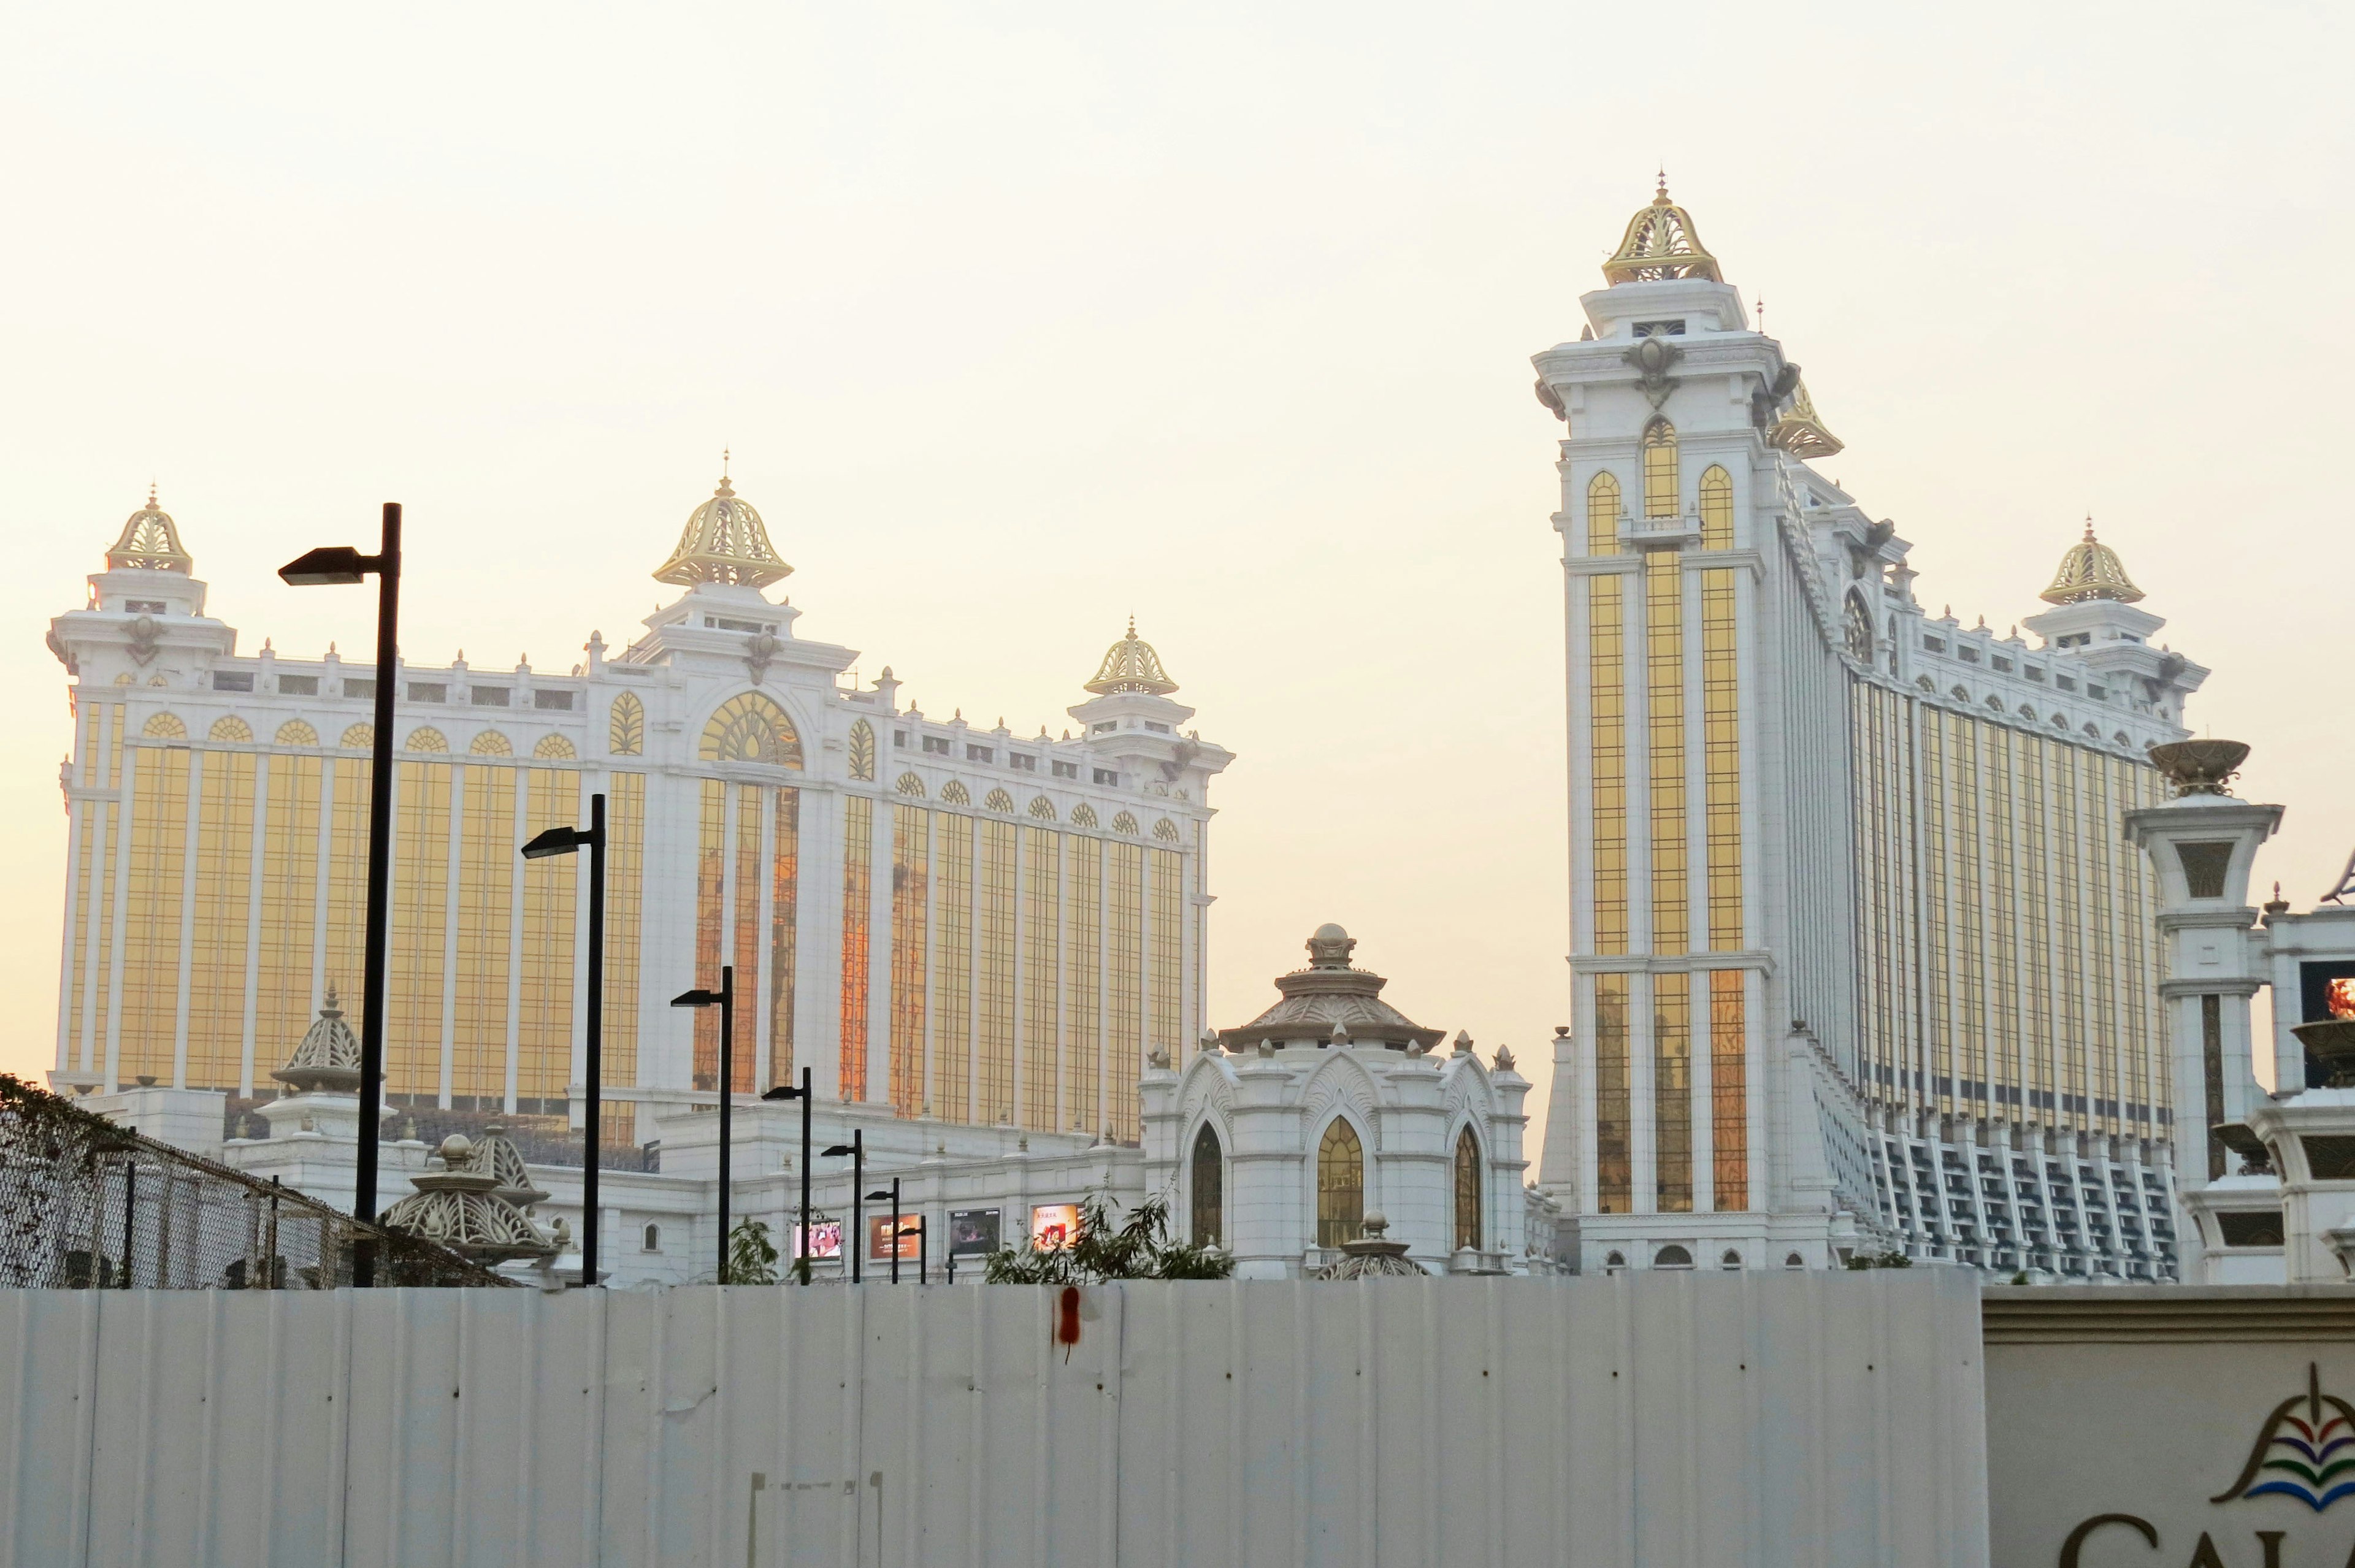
[{"x": 1650, "y": 1419}]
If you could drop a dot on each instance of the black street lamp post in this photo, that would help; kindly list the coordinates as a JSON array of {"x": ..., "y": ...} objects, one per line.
[
  {"x": 724, "y": 999},
  {"x": 787, "y": 1092},
  {"x": 877, "y": 1196},
  {"x": 344, "y": 564},
  {"x": 857, "y": 1149},
  {"x": 564, "y": 841}
]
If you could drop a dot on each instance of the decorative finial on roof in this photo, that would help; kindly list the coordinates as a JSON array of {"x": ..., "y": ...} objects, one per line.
[
  {"x": 2091, "y": 569},
  {"x": 1130, "y": 665},
  {"x": 1660, "y": 242},
  {"x": 150, "y": 541},
  {"x": 724, "y": 541},
  {"x": 1800, "y": 431}
]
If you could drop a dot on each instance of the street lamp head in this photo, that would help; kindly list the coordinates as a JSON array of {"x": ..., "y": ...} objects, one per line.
[
  {"x": 837, "y": 1150},
  {"x": 696, "y": 998},
  {"x": 881, "y": 1195},
  {"x": 782, "y": 1091},
  {"x": 332, "y": 563},
  {"x": 554, "y": 841}
]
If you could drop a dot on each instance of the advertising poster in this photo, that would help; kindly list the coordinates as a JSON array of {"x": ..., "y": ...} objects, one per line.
[
  {"x": 1054, "y": 1227},
  {"x": 826, "y": 1240},
  {"x": 878, "y": 1239},
  {"x": 972, "y": 1232}
]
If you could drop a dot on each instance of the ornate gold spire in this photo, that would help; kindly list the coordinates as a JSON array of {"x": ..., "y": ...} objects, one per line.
[
  {"x": 1800, "y": 432},
  {"x": 1660, "y": 242},
  {"x": 2090, "y": 571},
  {"x": 149, "y": 542},
  {"x": 724, "y": 541},
  {"x": 1130, "y": 665}
]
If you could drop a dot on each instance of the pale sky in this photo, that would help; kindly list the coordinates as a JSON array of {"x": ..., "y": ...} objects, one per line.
[{"x": 1021, "y": 319}]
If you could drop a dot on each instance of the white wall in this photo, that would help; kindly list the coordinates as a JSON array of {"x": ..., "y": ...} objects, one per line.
[{"x": 1655, "y": 1419}]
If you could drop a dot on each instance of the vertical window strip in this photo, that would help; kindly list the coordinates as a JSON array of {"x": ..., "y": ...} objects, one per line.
[
  {"x": 1716, "y": 509},
  {"x": 857, "y": 913},
  {"x": 1607, "y": 759},
  {"x": 912, "y": 835},
  {"x": 1207, "y": 1197},
  {"x": 1660, "y": 498},
  {"x": 1729, "y": 1092},
  {"x": 1042, "y": 1047},
  {"x": 551, "y": 904},
  {"x": 344, "y": 965},
  {"x": 485, "y": 917},
  {"x": 216, "y": 953},
  {"x": 784, "y": 940},
  {"x": 150, "y": 941},
  {"x": 1084, "y": 978},
  {"x": 625, "y": 872},
  {"x": 1970, "y": 1022},
  {"x": 1603, "y": 515},
  {"x": 1664, "y": 658},
  {"x": 1672, "y": 1156},
  {"x": 102, "y": 967},
  {"x": 953, "y": 983},
  {"x": 745, "y": 942},
  {"x": 710, "y": 922},
  {"x": 421, "y": 905},
  {"x": 2000, "y": 932},
  {"x": 2043, "y": 1050},
  {"x": 1939, "y": 1047},
  {"x": 1125, "y": 914},
  {"x": 73, "y": 1042},
  {"x": 1166, "y": 1006},
  {"x": 1340, "y": 1183},
  {"x": 996, "y": 979},
  {"x": 1614, "y": 1182},
  {"x": 289, "y": 894},
  {"x": 2211, "y": 1059},
  {"x": 1721, "y": 756},
  {"x": 1468, "y": 1183}
]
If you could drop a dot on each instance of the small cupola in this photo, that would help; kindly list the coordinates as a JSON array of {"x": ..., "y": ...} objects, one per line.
[
  {"x": 1130, "y": 665},
  {"x": 1660, "y": 242},
  {"x": 2091, "y": 569},
  {"x": 724, "y": 541},
  {"x": 150, "y": 541}
]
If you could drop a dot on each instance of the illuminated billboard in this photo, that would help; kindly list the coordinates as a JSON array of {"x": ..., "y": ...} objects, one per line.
[
  {"x": 1054, "y": 1227},
  {"x": 972, "y": 1232}
]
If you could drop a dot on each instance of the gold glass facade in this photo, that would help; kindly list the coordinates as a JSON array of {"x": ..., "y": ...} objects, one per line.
[
  {"x": 2009, "y": 969},
  {"x": 952, "y": 1087},
  {"x": 1606, "y": 723},
  {"x": 1664, "y": 660},
  {"x": 994, "y": 992},
  {"x": 1672, "y": 1127},
  {"x": 414, "y": 991},
  {"x": 785, "y": 850},
  {"x": 485, "y": 909},
  {"x": 218, "y": 930},
  {"x": 1125, "y": 947},
  {"x": 284, "y": 977},
  {"x": 626, "y": 891},
  {"x": 150, "y": 1027},
  {"x": 858, "y": 917},
  {"x": 1729, "y": 1092},
  {"x": 1165, "y": 1010},
  {"x": 1084, "y": 975},
  {"x": 1340, "y": 1184},
  {"x": 541, "y": 1067}
]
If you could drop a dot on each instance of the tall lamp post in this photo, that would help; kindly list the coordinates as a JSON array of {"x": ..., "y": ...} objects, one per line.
[
  {"x": 344, "y": 564},
  {"x": 877, "y": 1196},
  {"x": 787, "y": 1092},
  {"x": 564, "y": 841},
  {"x": 857, "y": 1149},
  {"x": 724, "y": 999}
]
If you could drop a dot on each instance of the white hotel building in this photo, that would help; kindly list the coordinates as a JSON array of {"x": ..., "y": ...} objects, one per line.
[
  {"x": 1862, "y": 958},
  {"x": 961, "y": 923}
]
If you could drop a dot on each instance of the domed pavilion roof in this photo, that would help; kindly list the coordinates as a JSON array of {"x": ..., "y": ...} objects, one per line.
[
  {"x": 150, "y": 541},
  {"x": 1331, "y": 1002},
  {"x": 724, "y": 541},
  {"x": 328, "y": 1059},
  {"x": 1660, "y": 242},
  {"x": 1130, "y": 665},
  {"x": 1373, "y": 1256}
]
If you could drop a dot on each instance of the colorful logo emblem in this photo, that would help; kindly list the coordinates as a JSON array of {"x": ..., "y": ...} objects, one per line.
[{"x": 2302, "y": 1455}]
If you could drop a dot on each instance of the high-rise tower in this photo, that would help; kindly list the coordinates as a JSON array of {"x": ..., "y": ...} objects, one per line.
[{"x": 1861, "y": 959}]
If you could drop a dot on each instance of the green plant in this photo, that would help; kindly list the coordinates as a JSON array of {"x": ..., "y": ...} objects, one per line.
[
  {"x": 1880, "y": 1260},
  {"x": 1140, "y": 1248},
  {"x": 752, "y": 1256}
]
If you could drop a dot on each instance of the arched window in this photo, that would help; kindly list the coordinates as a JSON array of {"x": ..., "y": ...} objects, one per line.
[
  {"x": 295, "y": 732},
  {"x": 490, "y": 743},
  {"x": 1794, "y": 1261},
  {"x": 1660, "y": 470},
  {"x": 1467, "y": 1192},
  {"x": 1042, "y": 808},
  {"x": 999, "y": 800},
  {"x": 231, "y": 728},
  {"x": 1731, "y": 1260},
  {"x": 165, "y": 727},
  {"x": 425, "y": 738},
  {"x": 752, "y": 728},
  {"x": 1716, "y": 509},
  {"x": 1166, "y": 830},
  {"x": 1859, "y": 629},
  {"x": 651, "y": 1241},
  {"x": 625, "y": 727},
  {"x": 358, "y": 738},
  {"x": 1672, "y": 1256},
  {"x": 1340, "y": 1185},
  {"x": 1614, "y": 1261},
  {"x": 1125, "y": 823},
  {"x": 1209, "y": 1197},
  {"x": 911, "y": 784},
  {"x": 555, "y": 748},
  {"x": 1083, "y": 816},
  {"x": 862, "y": 750},
  {"x": 1603, "y": 515},
  {"x": 955, "y": 793}
]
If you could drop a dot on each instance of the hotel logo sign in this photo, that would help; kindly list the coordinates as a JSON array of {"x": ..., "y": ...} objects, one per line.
[{"x": 2305, "y": 1450}]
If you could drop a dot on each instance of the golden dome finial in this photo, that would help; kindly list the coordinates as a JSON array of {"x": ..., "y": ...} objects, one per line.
[
  {"x": 1660, "y": 242},
  {"x": 1661, "y": 198},
  {"x": 1130, "y": 665},
  {"x": 1800, "y": 431},
  {"x": 2091, "y": 569},
  {"x": 724, "y": 541},
  {"x": 150, "y": 541}
]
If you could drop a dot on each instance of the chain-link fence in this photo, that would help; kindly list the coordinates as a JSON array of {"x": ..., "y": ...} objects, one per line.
[{"x": 86, "y": 1204}]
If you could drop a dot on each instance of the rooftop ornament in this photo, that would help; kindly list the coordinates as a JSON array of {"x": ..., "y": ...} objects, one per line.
[
  {"x": 2090, "y": 571},
  {"x": 1332, "y": 1004},
  {"x": 1130, "y": 665},
  {"x": 149, "y": 542},
  {"x": 1660, "y": 242},
  {"x": 2200, "y": 767},
  {"x": 724, "y": 541},
  {"x": 328, "y": 1059},
  {"x": 469, "y": 1205},
  {"x": 1373, "y": 1256},
  {"x": 1799, "y": 431}
]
